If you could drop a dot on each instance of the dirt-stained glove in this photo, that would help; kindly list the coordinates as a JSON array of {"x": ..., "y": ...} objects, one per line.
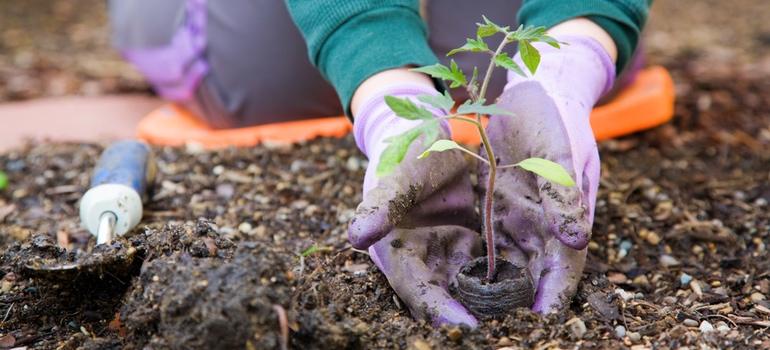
[
  {"x": 538, "y": 224},
  {"x": 413, "y": 220}
]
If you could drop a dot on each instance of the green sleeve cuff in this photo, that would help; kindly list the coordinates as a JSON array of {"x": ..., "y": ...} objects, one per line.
[
  {"x": 623, "y": 20},
  {"x": 351, "y": 41}
]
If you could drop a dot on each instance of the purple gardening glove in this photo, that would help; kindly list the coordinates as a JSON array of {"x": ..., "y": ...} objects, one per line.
[
  {"x": 538, "y": 224},
  {"x": 413, "y": 221}
]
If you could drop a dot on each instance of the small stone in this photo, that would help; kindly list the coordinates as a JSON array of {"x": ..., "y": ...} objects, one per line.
[
  {"x": 218, "y": 170},
  {"x": 634, "y": 336},
  {"x": 617, "y": 277},
  {"x": 696, "y": 288},
  {"x": 706, "y": 327},
  {"x": 6, "y": 286},
  {"x": 455, "y": 334},
  {"x": 653, "y": 238},
  {"x": 245, "y": 227},
  {"x": 593, "y": 246},
  {"x": 641, "y": 281},
  {"x": 722, "y": 327},
  {"x": 620, "y": 331},
  {"x": 353, "y": 164},
  {"x": 690, "y": 322},
  {"x": 420, "y": 345},
  {"x": 668, "y": 261},
  {"x": 578, "y": 327},
  {"x": 626, "y": 296},
  {"x": 669, "y": 300},
  {"x": 504, "y": 341},
  {"x": 260, "y": 231},
  {"x": 685, "y": 279},
  {"x": 757, "y": 297}
]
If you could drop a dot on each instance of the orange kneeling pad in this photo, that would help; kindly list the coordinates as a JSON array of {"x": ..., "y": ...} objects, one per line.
[{"x": 647, "y": 102}]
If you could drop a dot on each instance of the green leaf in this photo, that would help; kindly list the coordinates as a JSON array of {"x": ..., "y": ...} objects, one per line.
[
  {"x": 453, "y": 74},
  {"x": 406, "y": 109},
  {"x": 398, "y": 145},
  {"x": 3, "y": 180},
  {"x": 471, "y": 45},
  {"x": 313, "y": 248},
  {"x": 489, "y": 28},
  {"x": 529, "y": 55},
  {"x": 439, "y": 146},
  {"x": 551, "y": 41},
  {"x": 551, "y": 171},
  {"x": 528, "y": 33},
  {"x": 444, "y": 101},
  {"x": 503, "y": 60},
  {"x": 479, "y": 108}
]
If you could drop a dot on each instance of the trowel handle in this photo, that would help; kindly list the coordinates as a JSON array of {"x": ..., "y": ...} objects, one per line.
[
  {"x": 118, "y": 188},
  {"x": 128, "y": 163}
]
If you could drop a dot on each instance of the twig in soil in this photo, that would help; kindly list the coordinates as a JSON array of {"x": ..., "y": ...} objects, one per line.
[
  {"x": 283, "y": 322},
  {"x": 722, "y": 316},
  {"x": 8, "y": 313}
]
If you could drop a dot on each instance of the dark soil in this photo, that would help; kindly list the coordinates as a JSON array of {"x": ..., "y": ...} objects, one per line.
[{"x": 679, "y": 243}]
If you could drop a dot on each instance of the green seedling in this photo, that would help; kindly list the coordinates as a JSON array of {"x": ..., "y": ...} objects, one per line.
[
  {"x": 3, "y": 180},
  {"x": 472, "y": 111}
]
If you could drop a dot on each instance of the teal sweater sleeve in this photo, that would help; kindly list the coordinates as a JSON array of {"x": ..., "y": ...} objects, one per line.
[
  {"x": 351, "y": 40},
  {"x": 623, "y": 20}
]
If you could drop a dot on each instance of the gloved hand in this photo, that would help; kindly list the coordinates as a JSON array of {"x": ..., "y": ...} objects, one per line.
[
  {"x": 538, "y": 224},
  {"x": 413, "y": 220}
]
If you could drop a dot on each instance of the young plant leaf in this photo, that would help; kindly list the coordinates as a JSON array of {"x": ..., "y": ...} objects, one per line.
[
  {"x": 479, "y": 108},
  {"x": 444, "y": 101},
  {"x": 3, "y": 180},
  {"x": 529, "y": 55},
  {"x": 549, "y": 170},
  {"x": 439, "y": 146},
  {"x": 489, "y": 28},
  {"x": 471, "y": 45},
  {"x": 398, "y": 145},
  {"x": 502, "y": 60},
  {"x": 406, "y": 109},
  {"x": 312, "y": 249},
  {"x": 453, "y": 74}
]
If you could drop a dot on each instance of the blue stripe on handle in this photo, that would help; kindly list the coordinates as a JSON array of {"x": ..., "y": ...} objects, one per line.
[{"x": 124, "y": 163}]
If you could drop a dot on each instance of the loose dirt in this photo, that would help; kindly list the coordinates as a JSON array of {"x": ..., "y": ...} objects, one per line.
[{"x": 678, "y": 255}]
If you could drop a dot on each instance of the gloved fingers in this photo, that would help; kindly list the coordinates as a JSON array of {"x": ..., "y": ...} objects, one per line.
[
  {"x": 398, "y": 194},
  {"x": 556, "y": 273},
  {"x": 420, "y": 264},
  {"x": 566, "y": 211}
]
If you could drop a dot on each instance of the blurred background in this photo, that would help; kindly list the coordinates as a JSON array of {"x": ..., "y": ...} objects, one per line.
[{"x": 56, "y": 48}]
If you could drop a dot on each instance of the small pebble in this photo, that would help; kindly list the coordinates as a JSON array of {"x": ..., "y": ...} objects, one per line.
[
  {"x": 706, "y": 327},
  {"x": 420, "y": 345},
  {"x": 353, "y": 164},
  {"x": 696, "y": 288},
  {"x": 652, "y": 238},
  {"x": 244, "y": 227},
  {"x": 620, "y": 331},
  {"x": 218, "y": 170},
  {"x": 641, "y": 281},
  {"x": 617, "y": 277},
  {"x": 722, "y": 327},
  {"x": 685, "y": 279},
  {"x": 455, "y": 334},
  {"x": 690, "y": 322},
  {"x": 593, "y": 246},
  {"x": 504, "y": 341},
  {"x": 668, "y": 261},
  {"x": 634, "y": 336},
  {"x": 578, "y": 327},
  {"x": 626, "y": 296},
  {"x": 757, "y": 297}
]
